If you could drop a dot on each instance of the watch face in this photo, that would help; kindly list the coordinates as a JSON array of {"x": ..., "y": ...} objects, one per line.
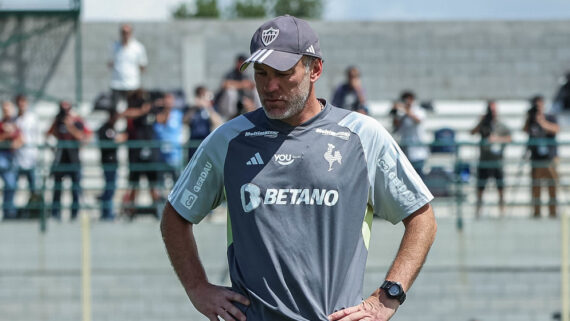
[{"x": 394, "y": 290}]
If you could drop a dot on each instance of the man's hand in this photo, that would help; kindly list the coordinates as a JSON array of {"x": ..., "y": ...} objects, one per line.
[
  {"x": 377, "y": 307},
  {"x": 213, "y": 301}
]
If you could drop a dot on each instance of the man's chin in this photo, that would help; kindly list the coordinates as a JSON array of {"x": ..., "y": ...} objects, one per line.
[{"x": 275, "y": 114}]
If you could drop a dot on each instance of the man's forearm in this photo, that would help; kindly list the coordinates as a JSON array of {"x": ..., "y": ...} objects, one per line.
[
  {"x": 416, "y": 242},
  {"x": 182, "y": 250}
]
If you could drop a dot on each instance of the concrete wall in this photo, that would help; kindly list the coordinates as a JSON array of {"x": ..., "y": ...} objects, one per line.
[{"x": 439, "y": 60}]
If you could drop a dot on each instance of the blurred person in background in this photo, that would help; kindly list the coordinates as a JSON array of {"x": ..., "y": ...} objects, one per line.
[
  {"x": 542, "y": 129},
  {"x": 201, "y": 118},
  {"x": 408, "y": 120},
  {"x": 350, "y": 94},
  {"x": 108, "y": 140},
  {"x": 127, "y": 61},
  {"x": 27, "y": 155},
  {"x": 143, "y": 155},
  {"x": 10, "y": 141},
  {"x": 494, "y": 136},
  {"x": 70, "y": 131},
  {"x": 236, "y": 93},
  {"x": 168, "y": 133}
]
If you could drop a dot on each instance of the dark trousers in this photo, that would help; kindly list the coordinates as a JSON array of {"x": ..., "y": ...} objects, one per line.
[
  {"x": 10, "y": 183},
  {"x": 30, "y": 175},
  {"x": 118, "y": 95},
  {"x": 75, "y": 191},
  {"x": 107, "y": 196}
]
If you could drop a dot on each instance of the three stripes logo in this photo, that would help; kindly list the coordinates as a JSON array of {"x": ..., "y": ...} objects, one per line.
[
  {"x": 311, "y": 49},
  {"x": 255, "y": 160}
]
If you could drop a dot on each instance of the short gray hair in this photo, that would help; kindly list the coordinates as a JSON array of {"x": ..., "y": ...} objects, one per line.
[{"x": 307, "y": 61}]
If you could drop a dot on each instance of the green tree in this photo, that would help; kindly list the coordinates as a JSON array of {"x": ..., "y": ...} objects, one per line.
[
  {"x": 203, "y": 9},
  {"x": 250, "y": 8},
  {"x": 298, "y": 8}
]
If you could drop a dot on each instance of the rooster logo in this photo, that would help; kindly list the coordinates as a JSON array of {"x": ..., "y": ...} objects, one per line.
[{"x": 332, "y": 157}]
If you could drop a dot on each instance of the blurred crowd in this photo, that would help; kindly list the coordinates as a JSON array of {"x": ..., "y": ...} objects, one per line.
[{"x": 154, "y": 122}]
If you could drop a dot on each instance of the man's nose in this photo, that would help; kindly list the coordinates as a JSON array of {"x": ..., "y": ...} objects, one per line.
[{"x": 272, "y": 84}]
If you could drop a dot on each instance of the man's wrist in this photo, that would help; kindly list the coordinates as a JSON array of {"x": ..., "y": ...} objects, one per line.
[{"x": 393, "y": 290}]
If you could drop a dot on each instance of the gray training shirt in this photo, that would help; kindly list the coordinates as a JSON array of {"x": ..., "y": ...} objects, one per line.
[{"x": 300, "y": 205}]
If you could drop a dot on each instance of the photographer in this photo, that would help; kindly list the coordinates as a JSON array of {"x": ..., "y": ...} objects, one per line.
[
  {"x": 408, "y": 120},
  {"x": 143, "y": 152},
  {"x": 494, "y": 136},
  {"x": 10, "y": 141},
  {"x": 70, "y": 130},
  {"x": 542, "y": 129}
]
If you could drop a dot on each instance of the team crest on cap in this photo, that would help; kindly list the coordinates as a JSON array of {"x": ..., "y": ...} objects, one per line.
[{"x": 269, "y": 35}]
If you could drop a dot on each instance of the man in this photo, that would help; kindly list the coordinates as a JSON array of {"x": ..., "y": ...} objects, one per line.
[
  {"x": 201, "y": 118},
  {"x": 128, "y": 60},
  {"x": 108, "y": 139},
  {"x": 408, "y": 122},
  {"x": 542, "y": 129},
  {"x": 168, "y": 132},
  {"x": 143, "y": 154},
  {"x": 350, "y": 95},
  {"x": 71, "y": 131},
  {"x": 27, "y": 156},
  {"x": 10, "y": 141},
  {"x": 237, "y": 93},
  {"x": 494, "y": 136},
  {"x": 302, "y": 180}
]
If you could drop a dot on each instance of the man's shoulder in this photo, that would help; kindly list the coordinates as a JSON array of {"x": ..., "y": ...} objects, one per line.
[
  {"x": 136, "y": 44},
  {"x": 232, "y": 127},
  {"x": 235, "y": 75},
  {"x": 360, "y": 124}
]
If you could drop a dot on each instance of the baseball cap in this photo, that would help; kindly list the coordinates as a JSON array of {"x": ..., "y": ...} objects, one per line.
[{"x": 281, "y": 42}]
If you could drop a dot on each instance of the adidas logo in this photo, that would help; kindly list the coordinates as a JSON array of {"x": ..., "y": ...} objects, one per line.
[
  {"x": 255, "y": 160},
  {"x": 311, "y": 49}
]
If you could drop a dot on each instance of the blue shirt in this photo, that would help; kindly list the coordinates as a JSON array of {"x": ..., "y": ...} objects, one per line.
[{"x": 170, "y": 134}]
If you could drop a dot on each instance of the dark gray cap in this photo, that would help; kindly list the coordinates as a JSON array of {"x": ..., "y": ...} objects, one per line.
[{"x": 281, "y": 42}]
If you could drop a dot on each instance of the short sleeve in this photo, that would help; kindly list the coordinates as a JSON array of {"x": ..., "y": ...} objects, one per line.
[
  {"x": 398, "y": 189},
  {"x": 200, "y": 187},
  {"x": 143, "y": 60},
  {"x": 420, "y": 113}
]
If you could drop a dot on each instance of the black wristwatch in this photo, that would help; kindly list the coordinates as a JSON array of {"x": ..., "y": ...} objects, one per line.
[{"x": 394, "y": 290}]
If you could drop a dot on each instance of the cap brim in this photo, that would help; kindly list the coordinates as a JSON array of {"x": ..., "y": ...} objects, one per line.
[{"x": 279, "y": 60}]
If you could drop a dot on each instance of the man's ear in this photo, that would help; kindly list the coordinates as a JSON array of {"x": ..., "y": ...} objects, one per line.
[{"x": 316, "y": 69}]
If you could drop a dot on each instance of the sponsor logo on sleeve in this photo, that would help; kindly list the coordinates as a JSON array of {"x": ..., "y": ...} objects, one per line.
[
  {"x": 188, "y": 199},
  {"x": 388, "y": 166},
  {"x": 326, "y": 132},
  {"x": 202, "y": 178}
]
